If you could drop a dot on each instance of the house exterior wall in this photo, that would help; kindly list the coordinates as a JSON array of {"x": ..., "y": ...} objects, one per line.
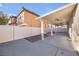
[
  {"x": 74, "y": 34},
  {"x": 20, "y": 18},
  {"x": 13, "y": 20},
  {"x": 30, "y": 19}
]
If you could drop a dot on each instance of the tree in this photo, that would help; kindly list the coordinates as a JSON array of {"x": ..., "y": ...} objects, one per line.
[{"x": 3, "y": 18}]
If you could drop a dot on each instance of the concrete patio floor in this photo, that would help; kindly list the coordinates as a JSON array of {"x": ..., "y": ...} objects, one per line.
[{"x": 57, "y": 45}]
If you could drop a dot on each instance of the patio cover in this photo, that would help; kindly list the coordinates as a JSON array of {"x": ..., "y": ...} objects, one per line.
[{"x": 61, "y": 15}]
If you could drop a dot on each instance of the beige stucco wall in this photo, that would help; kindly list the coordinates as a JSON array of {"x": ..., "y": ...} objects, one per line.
[{"x": 74, "y": 34}]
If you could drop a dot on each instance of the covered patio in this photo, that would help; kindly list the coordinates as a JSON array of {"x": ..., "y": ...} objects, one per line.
[{"x": 59, "y": 17}]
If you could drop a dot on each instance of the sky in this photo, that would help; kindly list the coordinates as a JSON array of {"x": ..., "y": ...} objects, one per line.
[{"x": 39, "y": 8}]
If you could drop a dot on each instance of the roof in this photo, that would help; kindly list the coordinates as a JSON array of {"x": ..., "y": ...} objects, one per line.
[
  {"x": 27, "y": 11},
  {"x": 13, "y": 17},
  {"x": 56, "y": 10}
]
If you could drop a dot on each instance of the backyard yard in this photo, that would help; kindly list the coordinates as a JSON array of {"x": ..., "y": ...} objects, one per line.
[{"x": 14, "y": 42}]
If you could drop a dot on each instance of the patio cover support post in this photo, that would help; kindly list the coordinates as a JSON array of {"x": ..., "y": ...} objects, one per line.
[
  {"x": 42, "y": 30},
  {"x": 51, "y": 30}
]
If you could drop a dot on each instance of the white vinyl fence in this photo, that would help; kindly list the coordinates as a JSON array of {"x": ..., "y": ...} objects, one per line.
[
  {"x": 6, "y": 33},
  {"x": 9, "y": 33}
]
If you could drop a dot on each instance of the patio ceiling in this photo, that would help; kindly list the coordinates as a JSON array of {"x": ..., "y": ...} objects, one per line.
[{"x": 61, "y": 15}]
